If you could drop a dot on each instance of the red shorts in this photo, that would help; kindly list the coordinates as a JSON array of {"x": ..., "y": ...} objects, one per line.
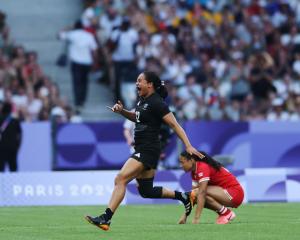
[{"x": 236, "y": 195}]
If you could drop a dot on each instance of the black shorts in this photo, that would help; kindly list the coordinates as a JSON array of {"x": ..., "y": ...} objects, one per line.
[{"x": 148, "y": 158}]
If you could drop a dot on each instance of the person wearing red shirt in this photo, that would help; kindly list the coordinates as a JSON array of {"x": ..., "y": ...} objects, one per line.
[{"x": 214, "y": 187}]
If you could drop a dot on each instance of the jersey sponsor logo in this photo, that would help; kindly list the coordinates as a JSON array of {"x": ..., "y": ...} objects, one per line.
[
  {"x": 145, "y": 106},
  {"x": 137, "y": 155},
  {"x": 200, "y": 174}
]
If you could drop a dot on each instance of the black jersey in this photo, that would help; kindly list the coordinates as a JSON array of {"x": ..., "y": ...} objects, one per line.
[{"x": 149, "y": 113}]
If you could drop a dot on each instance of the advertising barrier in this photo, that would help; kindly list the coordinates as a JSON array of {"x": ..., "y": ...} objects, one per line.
[
  {"x": 57, "y": 188},
  {"x": 95, "y": 187}
]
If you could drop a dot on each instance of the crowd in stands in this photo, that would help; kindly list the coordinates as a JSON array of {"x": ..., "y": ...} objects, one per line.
[
  {"x": 220, "y": 59},
  {"x": 23, "y": 84}
]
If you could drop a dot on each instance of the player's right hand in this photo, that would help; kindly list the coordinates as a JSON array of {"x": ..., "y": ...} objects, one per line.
[{"x": 118, "y": 107}]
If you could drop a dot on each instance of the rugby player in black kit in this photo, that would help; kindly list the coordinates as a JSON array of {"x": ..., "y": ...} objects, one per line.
[{"x": 150, "y": 112}]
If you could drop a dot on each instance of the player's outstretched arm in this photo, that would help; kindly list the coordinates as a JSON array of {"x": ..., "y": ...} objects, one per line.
[
  {"x": 201, "y": 193},
  {"x": 119, "y": 108},
  {"x": 172, "y": 122}
]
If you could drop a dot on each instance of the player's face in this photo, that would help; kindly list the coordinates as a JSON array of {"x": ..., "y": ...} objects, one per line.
[
  {"x": 186, "y": 165},
  {"x": 143, "y": 87}
]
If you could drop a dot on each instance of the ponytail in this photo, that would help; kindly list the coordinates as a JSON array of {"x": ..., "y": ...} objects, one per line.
[
  {"x": 158, "y": 85},
  {"x": 162, "y": 91}
]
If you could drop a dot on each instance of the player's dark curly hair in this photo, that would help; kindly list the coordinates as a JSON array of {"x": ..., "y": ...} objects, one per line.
[
  {"x": 159, "y": 87},
  {"x": 208, "y": 159}
]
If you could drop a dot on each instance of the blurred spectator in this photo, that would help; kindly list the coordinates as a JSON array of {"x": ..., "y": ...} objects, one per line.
[
  {"x": 261, "y": 77},
  {"x": 82, "y": 52},
  {"x": 2, "y": 21},
  {"x": 22, "y": 81},
  {"x": 277, "y": 112},
  {"x": 89, "y": 18},
  {"x": 190, "y": 98},
  {"x": 178, "y": 70},
  {"x": 108, "y": 21},
  {"x": 123, "y": 57},
  {"x": 31, "y": 70},
  {"x": 232, "y": 111},
  {"x": 243, "y": 54},
  {"x": 10, "y": 138},
  {"x": 58, "y": 114},
  {"x": 143, "y": 50},
  {"x": 239, "y": 88},
  {"x": 128, "y": 132}
]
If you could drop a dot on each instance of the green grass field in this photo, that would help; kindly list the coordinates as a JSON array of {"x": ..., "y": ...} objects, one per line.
[{"x": 157, "y": 222}]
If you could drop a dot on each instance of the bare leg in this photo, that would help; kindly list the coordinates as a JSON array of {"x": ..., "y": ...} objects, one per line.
[
  {"x": 218, "y": 200},
  {"x": 215, "y": 198},
  {"x": 218, "y": 194},
  {"x": 146, "y": 174},
  {"x": 148, "y": 191},
  {"x": 128, "y": 172},
  {"x": 167, "y": 193},
  {"x": 212, "y": 204},
  {"x": 131, "y": 169}
]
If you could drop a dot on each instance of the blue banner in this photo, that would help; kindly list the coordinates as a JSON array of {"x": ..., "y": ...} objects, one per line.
[{"x": 257, "y": 144}]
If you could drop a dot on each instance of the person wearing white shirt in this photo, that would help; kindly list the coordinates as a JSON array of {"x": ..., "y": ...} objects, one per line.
[
  {"x": 82, "y": 50},
  {"x": 190, "y": 98},
  {"x": 128, "y": 131},
  {"x": 278, "y": 113},
  {"x": 89, "y": 18},
  {"x": 123, "y": 58}
]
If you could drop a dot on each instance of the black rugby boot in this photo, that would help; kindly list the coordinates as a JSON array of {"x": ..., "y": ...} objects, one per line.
[
  {"x": 188, "y": 202},
  {"x": 99, "y": 221}
]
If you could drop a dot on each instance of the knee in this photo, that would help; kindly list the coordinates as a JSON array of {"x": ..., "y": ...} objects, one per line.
[
  {"x": 145, "y": 192},
  {"x": 120, "y": 179},
  {"x": 146, "y": 189}
]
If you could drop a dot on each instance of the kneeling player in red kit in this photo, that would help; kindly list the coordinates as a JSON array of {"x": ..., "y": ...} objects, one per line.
[{"x": 214, "y": 187}]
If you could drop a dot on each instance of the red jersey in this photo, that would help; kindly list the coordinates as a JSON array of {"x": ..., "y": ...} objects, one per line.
[{"x": 222, "y": 178}]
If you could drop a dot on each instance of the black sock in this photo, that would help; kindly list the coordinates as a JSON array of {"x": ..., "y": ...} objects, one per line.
[
  {"x": 179, "y": 196},
  {"x": 108, "y": 214}
]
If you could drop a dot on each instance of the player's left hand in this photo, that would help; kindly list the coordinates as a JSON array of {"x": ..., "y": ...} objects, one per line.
[
  {"x": 191, "y": 150},
  {"x": 195, "y": 221}
]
